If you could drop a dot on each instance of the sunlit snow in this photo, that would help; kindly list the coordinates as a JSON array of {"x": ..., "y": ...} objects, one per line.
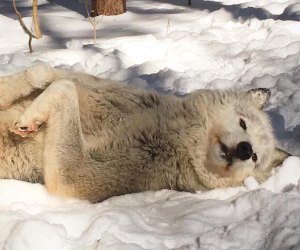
[{"x": 167, "y": 46}]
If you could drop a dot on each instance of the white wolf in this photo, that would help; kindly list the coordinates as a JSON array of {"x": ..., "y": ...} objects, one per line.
[{"x": 92, "y": 138}]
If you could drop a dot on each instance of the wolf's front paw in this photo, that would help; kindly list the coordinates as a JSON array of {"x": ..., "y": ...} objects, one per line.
[{"x": 25, "y": 127}]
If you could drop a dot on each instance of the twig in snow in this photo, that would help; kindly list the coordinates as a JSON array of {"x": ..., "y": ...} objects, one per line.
[
  {"x": 93, "y": 20},
  {"x": 168, "y": 27},
  {"x": 26, "y": 30},
  {"x": 35, "y": 18}
]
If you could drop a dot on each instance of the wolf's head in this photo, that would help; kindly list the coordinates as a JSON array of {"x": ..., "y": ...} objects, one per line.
[{"x": 241, "y": 141}]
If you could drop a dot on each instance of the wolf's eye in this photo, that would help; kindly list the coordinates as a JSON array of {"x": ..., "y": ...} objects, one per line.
[
  {"x": 254, "y": 157},
  {"x": 243, "y": 124}
]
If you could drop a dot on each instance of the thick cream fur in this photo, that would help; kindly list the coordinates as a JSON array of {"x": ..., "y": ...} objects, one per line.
[{"x": 101, "y": 138}]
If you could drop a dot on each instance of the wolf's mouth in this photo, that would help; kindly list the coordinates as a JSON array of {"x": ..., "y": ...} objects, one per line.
[{"x": 226, "y": 154}]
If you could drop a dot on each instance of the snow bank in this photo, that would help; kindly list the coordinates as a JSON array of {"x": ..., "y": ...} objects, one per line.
[{"x": 264, "y": 217}]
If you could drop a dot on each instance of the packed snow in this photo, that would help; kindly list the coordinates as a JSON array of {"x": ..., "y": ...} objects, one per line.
[{"x": 171, "y": 47}]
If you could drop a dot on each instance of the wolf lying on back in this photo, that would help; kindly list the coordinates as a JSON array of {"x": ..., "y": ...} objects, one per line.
[{"x": 91, "y": 138}]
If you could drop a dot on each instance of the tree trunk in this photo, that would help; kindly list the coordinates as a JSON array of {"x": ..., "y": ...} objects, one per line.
[{"x": 108, "y": 7}]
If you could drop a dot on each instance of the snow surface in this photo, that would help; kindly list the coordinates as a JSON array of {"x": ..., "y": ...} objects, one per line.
[{"x": 167, "y": 46}]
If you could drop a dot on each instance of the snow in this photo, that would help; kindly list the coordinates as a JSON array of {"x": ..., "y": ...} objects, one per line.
[{"x": 167, "y": 46}]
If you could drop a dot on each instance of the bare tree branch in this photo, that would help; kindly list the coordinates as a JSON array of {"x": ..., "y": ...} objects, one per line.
[
  {"x": 26, "y": 30},
  {"x": 35, "y": 18}
]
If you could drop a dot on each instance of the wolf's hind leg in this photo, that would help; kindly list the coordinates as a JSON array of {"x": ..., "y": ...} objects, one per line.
[
  {"x": 22, "y": 84},
  {"x": 66, "y": 162}
]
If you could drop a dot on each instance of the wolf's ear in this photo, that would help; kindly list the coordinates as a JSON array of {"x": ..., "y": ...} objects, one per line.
[
  {"x": 260, "y": 96},
  {"x": 278, "y": 157}
]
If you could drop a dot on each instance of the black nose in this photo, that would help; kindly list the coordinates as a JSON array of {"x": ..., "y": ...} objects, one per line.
[{"x": 244, "y": 150}]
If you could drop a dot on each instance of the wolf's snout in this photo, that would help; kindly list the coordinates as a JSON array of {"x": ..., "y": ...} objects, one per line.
[{"x": 244, "y": 150}]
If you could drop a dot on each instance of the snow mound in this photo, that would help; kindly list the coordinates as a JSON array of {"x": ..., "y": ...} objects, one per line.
[
  {"x": 74, "y": 44},
  {"x": 170, "y": 47},
  {"x": 253, "y": 217}
]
